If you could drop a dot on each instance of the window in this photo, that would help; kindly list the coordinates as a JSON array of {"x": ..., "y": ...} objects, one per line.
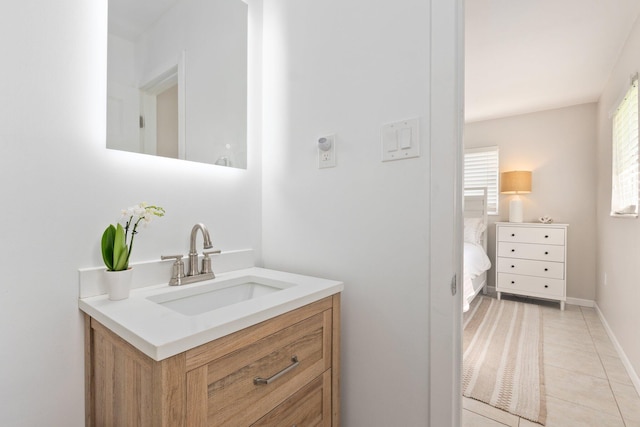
[
  {"x": 624, "y": 182},
  {"x": 481, "y": 170}
]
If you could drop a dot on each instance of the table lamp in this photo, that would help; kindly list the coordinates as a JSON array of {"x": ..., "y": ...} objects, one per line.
[{"x": 515, "y": 182}]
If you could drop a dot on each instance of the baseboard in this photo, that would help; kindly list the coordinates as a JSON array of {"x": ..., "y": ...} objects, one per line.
[
  {"x": 581, "y": 302},
  {"x": 572, "y": 301},
  {"x": 623, "y": 357}
]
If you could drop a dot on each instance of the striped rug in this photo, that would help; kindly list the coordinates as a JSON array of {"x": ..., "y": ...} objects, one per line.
[{"x": 502, "y": 358}]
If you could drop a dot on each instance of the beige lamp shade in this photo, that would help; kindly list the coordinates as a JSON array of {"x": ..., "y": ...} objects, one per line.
[{"x": 515, "y": 182}]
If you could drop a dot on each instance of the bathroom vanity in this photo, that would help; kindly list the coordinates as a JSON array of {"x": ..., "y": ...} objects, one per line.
[{"x": 270, "y": 360}]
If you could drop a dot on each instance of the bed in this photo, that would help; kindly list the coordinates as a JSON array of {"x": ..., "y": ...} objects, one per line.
[{"x": 476, "y": 262}]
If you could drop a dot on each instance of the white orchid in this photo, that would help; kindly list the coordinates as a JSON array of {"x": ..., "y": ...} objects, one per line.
[{"x": 115, "y": 250}]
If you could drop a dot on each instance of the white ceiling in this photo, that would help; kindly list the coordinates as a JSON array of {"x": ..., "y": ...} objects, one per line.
[
  {"x": 532, "y": 55},
  {"x": 129, "y": 18}
]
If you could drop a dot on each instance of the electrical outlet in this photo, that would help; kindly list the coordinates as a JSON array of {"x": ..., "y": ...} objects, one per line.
[{"x": 327, "y": 152}]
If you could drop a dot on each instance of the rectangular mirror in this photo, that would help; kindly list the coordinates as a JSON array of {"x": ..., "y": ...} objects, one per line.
[{"x": 177, "y": 79}]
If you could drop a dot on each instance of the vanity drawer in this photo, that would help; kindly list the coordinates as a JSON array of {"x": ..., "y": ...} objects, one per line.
[
  {"x": 531, "y": 251},
  {"x": 540, "y": 235},
  {"x": 552, "y": 270},
  {"x": 225, "y": 392},
  {"x": 310, "y": 406},
  {"x": 528, "y": 285}
]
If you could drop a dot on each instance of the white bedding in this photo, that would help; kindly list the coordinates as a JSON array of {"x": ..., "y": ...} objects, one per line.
[{"x": 476, "y": 262}]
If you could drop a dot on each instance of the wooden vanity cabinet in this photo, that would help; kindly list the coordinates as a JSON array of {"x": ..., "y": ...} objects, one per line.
[{"x": 281, "y": 372}]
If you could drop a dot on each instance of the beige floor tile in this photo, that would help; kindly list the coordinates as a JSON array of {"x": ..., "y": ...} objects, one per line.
[
  {"x": 579, "y": 341},
  {"x": 567, "y": 322},
  {"x": 576, "y": 330},
  {"x": 569, "y": 310},
  {"x": 590, "y": 317},
  {"x": 589, "y": 312},
  {"x": 593, "y": 321},
  {"x": 599, "y": 334},
  {"x": 597, "y": 331},
  {"x": 584, "y": 390},
  {"x": 615, "y": 370},
  {"x": 471, "y": 419},
  {"x": 628, "y": 402},
  {"x": 587, "y": 363},
  {"x": 604, "y": 346},
  {"x": 561, "y": 413},
  {"x": 489, "y": 411}
]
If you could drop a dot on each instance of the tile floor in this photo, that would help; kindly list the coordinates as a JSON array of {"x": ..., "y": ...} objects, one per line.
[{"x": 586, "y": 383}]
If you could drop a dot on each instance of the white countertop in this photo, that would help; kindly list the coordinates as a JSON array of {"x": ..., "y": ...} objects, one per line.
[{"x": 160, "y": 332}]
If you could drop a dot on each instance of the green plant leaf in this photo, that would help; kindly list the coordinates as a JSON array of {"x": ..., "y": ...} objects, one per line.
[
  {"x": 120, "y": 253},
  {"x": 107, "y": 246}
]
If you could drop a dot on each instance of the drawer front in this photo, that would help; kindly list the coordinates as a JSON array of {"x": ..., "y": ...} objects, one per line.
[
  {"x": 225, "y": 391},
  {"x": 310, "y": 406},
  {"x": 540, "y": 235},
  {"x": 531, "y": 251},
  {"x": 534, "y": 286},
  {"x": 552, "y": 270}
]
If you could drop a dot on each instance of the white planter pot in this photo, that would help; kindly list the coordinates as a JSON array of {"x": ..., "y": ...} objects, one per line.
[{"x": 118, "y": 283}]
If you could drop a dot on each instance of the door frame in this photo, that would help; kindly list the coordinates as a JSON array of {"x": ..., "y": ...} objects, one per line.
[{"x": 446, "y": 128}]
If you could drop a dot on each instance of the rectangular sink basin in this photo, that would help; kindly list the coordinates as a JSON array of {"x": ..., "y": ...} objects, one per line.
[{"x": 197, "y": 300}]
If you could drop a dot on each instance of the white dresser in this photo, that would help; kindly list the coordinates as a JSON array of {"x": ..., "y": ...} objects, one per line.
[{"x": 531, "y": 260}]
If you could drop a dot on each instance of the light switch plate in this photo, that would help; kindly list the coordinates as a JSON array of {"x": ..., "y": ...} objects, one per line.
[{"x": 401, "y": 140}]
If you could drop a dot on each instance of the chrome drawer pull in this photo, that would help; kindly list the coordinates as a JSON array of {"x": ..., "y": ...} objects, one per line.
[{"x": 260, "y": 381}]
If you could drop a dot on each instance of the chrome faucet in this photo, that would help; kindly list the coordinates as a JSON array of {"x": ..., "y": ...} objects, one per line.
[{"x": 193, "y": 275}]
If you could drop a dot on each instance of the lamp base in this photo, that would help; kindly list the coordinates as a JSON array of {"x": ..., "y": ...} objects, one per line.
[{"x": 515, "y": 210}]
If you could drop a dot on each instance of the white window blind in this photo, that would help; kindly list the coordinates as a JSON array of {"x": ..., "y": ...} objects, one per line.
[
  {"x": 624, "y": 183},
  {"x": 481, "y": 169}
]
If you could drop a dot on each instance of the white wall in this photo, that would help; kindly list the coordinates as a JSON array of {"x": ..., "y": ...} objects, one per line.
[
  {"x": 559, "y": 146},
  {"x": 349, "y": 68},
  {"x": 618, "y": 239},
  {"x": 61, "y": 187}
]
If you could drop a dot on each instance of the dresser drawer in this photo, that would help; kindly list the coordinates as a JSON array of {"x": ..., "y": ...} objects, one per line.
[
  {"x": 528, "y": 285},
  {"x": 540, "y": 235},
  {"x": 552, "y": 270},
  {"x": 531, "y": 251},
  {"x": 310, "y": 406},
  {"x": 290, "y": 358}
]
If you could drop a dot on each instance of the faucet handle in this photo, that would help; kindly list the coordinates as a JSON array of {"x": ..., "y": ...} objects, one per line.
[
  {"x": 206, "y": 262},
  {"x": 178, "y": 269},
  {"x": 176, "y": 257}
]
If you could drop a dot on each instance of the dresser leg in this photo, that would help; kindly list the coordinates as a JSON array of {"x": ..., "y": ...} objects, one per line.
[
  {"x": 562, "y": 305},
  {"x": 499, "y": 295}
]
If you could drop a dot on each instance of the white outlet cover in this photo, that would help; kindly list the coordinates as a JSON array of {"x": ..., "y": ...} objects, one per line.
[{"x": 327, "y": 157}]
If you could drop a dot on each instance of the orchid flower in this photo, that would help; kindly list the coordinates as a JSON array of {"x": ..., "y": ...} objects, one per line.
[{"x": 116, "y": 242}]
